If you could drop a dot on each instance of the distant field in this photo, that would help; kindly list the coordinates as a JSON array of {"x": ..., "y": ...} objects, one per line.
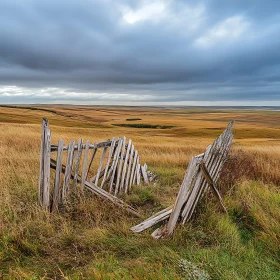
[{"x": 92, "y": 240}]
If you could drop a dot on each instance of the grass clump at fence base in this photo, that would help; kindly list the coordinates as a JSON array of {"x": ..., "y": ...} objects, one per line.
[{"x": 143, "y": 125}]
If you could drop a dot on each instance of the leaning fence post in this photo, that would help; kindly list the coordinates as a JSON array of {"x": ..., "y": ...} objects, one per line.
[{"x": 44, "y": 179}]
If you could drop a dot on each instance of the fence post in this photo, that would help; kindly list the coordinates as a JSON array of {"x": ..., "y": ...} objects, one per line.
[{"x": 44, "y": 179}]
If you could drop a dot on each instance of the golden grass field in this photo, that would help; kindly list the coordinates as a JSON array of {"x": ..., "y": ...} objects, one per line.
[{"x": 91, "y": 239}]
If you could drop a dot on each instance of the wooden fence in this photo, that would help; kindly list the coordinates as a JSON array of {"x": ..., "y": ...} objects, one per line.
[
  {"x": 106, "y": 168},
  {"x": 202, "y": 174}
]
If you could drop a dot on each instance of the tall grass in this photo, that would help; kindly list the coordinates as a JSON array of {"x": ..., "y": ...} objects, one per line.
[{"x": 90, "y": 239}]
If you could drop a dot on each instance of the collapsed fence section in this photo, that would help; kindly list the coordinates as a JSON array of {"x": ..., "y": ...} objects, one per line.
[
  {"x": 108, "y": 168},
  {"x": 202, "y": 174}
]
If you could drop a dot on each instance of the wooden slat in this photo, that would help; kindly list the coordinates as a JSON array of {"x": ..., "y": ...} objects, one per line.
[
  {"x": 78, "y": 160},
  {"x": 144, "y": 174},
  {"x": 102, "y": 193},
  {"x": 91, "y": 146},
  {"x": 153, "y": 220},
  {"x": 114, "y": 164},
  {"x": 84, "y": 172},
  {"x": 133, "y": 174},
  {"x": 91, "y": 159},
  {"x": 47, "y": 157},
  {"x": 57, "y": 194},
  {"x": 125, "y": 165},
  {"x": 138, "y": 177},
  {"x": 212, "y": 185},
  {"x": 120, "y": 165},
  {"x": 68, "y": 170},
  {"x": 100, "y": 166},
  {"x": 108, "y": 161},
  {"x": 41, "y": 174},
  {"x": 129, "y": 169}
]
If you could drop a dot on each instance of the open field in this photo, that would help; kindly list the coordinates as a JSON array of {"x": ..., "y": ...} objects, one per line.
[{"x": 92, "y": 240}]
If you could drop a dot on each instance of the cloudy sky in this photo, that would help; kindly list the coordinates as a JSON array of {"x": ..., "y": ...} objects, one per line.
[{"x": 177, "y": 52}]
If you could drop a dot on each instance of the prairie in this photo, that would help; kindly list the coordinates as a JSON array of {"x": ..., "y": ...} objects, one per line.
[{"x": 91, "y": 239}]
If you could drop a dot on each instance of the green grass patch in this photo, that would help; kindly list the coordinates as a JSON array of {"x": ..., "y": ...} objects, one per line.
[
  {"x": 143, "y": 125},
  {"x": 136, "y": 119}
]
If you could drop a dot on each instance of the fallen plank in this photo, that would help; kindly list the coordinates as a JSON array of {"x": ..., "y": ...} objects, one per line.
[{"x": 153, "y": 220}]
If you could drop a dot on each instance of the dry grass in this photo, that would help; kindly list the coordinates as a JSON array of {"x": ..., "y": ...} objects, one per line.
[{"x": 91, "y": 239}]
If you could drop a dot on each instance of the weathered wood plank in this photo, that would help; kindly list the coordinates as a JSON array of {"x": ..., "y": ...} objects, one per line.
[
  {"x": 57, "y": 194},
  {"x": 138, "y": 176},
  {"x": 41, "y": 174},
  {"x": 133, "y": 171},
  {"x": 184, "y": 193},
  {"x": 84, "y": 172},
  {"x": 102, "y": 193},
  {"x": 78, "y": 160},
  {"x": 120, "y": 166},
  {"x": 144, "y": 174},
  {"x": 112, "y": 147},
  {"x": 153, "y": 220},
  {"x": 212, "y": 185},
  {"x": 91, "y": 159},
  {"x": 100, "y": 166},
  {"x": 129, "y": 170},
  {"x": 125, "y": 164},
  {"x": 68, "y": 170},
  {"x": 91, "y": 146},
  {"x": 114, "y": 164},
  {"x": 47, "y": 157}
]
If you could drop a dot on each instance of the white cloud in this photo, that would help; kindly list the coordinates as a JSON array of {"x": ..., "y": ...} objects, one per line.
[
  {"x": 226, "y": 31},
  {"x": 165, "y": 11},
  {"x": 152, "y": 11}
]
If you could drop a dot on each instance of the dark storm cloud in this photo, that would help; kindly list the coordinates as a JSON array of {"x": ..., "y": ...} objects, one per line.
[{"x": 169, "y": 51}]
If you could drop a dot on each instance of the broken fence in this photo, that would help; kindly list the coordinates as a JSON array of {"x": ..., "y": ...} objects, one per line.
[
  {"x": 202, "y": 174},
  {"x": 114, "y": 172}
]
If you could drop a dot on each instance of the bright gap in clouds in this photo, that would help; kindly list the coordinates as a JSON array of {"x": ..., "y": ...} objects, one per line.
[{"x": 151, "y": 11}]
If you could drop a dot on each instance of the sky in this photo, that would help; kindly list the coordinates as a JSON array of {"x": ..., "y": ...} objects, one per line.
[{"x": 125, "y": 52}]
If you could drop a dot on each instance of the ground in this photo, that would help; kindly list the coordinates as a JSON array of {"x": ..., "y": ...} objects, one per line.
[{"x": 90, "y": 239}]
